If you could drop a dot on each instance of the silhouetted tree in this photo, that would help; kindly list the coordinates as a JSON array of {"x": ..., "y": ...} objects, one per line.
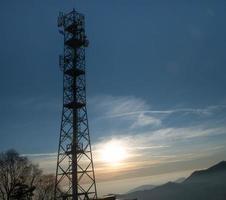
[
  {"x": 45, "y": 187},
  {"x": 22, "y": 192},
  {"x": 18, "y": 176},
  {"x": 22, "y": 180}
]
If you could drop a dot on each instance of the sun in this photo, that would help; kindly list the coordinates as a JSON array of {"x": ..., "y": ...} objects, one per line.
[{"x": 113, "y": 153}]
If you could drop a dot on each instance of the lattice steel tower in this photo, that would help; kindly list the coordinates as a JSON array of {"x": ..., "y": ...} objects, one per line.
[{"x": 75, "y": 172}]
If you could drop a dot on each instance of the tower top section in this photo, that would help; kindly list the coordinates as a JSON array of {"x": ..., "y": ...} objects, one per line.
[{"x": 73, "y": 26}]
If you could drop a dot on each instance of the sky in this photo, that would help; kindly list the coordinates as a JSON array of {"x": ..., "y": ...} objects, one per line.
[{"x": 156, "y": 85}]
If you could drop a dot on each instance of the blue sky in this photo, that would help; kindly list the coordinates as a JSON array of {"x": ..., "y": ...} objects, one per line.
[{"x": 156, "y": 80}]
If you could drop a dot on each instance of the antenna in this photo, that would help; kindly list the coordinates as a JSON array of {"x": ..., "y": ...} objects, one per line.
[{"x": 75, "y": 178}]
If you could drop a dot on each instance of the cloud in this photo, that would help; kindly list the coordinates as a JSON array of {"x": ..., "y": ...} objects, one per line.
[
  {"x": 145, "y": 120},
  {"x": 185, "y": 133},
  {"x": 151, "y": 137},
  {"x": 145, "y": 152},
  {"x": 135, "y": 113},
  {"x": 118, "y": 106},
  {"x": 129, "y": 108},
  {"x": 40, "y": 155},
  {"x": 46, "y": 161}
]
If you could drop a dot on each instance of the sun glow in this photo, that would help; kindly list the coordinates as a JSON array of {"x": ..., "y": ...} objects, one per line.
[{"x": 114, "y": 153}]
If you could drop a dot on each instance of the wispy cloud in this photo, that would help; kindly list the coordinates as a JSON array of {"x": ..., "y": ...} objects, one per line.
[
  {"x": 113, "y": 107},
  {"x": 145, "y": 120},
  {"x": 117, "y": 106},
  {"x": 40, "y": 155},
  {"x": 175, "y": 134},
  {"x": 151, "y": 138},
  {"x": 137, "y": 113},
  {"x": 128, "y": 108}
]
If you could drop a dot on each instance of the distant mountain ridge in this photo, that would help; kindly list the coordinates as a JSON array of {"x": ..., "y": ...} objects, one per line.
[
  {"x": 180, "y": 180},
  {"x": 150, "y": 187},
  {"x": 208, "y": 184},
  {"x": 142, "y": 188},
  {"x": 221, "y": 166}
]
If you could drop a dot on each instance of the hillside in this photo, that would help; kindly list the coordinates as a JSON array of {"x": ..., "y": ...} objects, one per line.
[
  {"x": 208, "y": 184},
  {"x": 142, "y": 188}
]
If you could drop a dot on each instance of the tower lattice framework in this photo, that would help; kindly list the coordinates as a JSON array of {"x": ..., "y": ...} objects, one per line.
[{"x": 75, "y": 177}]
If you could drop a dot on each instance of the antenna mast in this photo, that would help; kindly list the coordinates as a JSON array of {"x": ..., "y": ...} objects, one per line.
[{"x": 75, "y": 177}]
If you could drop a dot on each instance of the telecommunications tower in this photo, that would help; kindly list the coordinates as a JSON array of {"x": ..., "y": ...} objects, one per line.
[{"x": 75, "y": 179}]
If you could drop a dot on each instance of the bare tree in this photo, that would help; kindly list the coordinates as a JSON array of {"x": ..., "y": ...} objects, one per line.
[
  {"x": 45, "y": 188},
  {"x": 18, "y": 176}
]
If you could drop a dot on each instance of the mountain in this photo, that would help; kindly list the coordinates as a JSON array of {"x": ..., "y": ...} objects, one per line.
[
  {"x": 150, "y": 187},
  {"x": 208, "y": 184},
  {"x": 180, "y": 180},
  {"x": 204, "y": 175},
  {"x": 142, "y": 188}
]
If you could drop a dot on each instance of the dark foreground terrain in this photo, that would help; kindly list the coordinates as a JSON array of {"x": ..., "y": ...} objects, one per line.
[{"x": 209, "y": 184}]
